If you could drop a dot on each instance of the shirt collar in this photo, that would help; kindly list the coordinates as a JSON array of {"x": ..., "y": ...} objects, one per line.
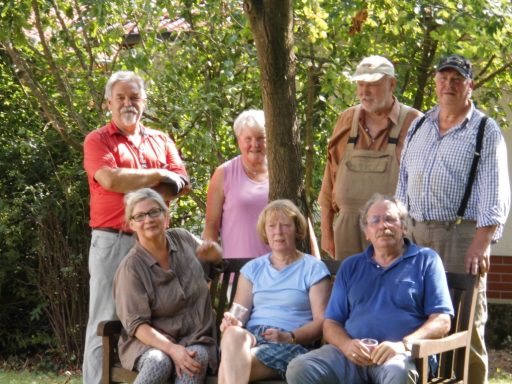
[
  {"x": 172, "y": 244},
  {"x": 410, "y": 250},
  {"x": 150, "y": 260},
  {"x": 433, "y": 114},
  {"x": 395, "y": 111},
  {"x": 113, "y": 129},
  {"x": 145, "y": 256}
]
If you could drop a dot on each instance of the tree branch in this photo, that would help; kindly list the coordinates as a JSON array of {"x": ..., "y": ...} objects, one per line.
[
  {"x": 49, "y": 111},
  {"x": 61, "y": 84},
  {"x": 492, "y": 75},
  {"x": 96, "y": 96}
]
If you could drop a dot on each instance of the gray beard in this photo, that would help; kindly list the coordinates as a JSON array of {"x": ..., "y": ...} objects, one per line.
[{"x": 129, "y": 118}]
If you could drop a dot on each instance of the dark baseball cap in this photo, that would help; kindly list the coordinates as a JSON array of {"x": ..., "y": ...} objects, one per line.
[{"x": 457, "y": 62}]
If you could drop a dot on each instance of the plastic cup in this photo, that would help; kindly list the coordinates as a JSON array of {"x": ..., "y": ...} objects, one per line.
[
  {"x": 238, "y": 311},
  {"x": 370, "y": 344}
]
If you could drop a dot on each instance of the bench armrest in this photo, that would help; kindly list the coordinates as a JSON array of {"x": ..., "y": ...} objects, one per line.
[
  {"x": 109, "y": 328},
  {"x": 428, "y": 347}
]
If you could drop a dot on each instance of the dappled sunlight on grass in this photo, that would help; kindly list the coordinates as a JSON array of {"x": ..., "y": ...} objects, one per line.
[
  {"x": 27, "y": 377},
  {"x": 500, "y": 377},
  {"x": 38, "y": 377}
]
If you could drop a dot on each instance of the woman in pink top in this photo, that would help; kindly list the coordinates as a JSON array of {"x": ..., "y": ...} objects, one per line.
[{"x": 238, "y": 191}]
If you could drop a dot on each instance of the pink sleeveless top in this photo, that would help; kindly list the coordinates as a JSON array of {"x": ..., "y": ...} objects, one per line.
[{"x": 244, "y": 199}]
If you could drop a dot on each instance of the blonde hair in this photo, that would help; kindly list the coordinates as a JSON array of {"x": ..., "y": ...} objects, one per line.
[{"x": 290, "y": 210}]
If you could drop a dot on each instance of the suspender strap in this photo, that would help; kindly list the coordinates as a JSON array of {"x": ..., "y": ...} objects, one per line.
[
  {"x": 472, "y": 172},
  {"x": 394, "y": 133},
  {"x": 355, "y": 126},
  {"x": 420, "y": 123}
]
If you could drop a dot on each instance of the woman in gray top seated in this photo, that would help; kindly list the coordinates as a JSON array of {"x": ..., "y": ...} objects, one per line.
[{"x": 162, "y": 297}]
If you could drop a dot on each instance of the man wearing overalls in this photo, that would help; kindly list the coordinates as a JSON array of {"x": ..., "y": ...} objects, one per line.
[{"x": 362, "y": 156}]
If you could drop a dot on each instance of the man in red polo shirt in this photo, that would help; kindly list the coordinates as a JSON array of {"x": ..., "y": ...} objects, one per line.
[{"x": 120, "y": 157}]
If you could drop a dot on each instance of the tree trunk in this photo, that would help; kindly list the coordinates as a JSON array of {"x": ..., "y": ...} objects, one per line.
[{"x": 272, "y": 27}]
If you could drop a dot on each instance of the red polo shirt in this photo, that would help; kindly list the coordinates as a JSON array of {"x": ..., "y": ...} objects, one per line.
[{"x": 108, "y": 147}]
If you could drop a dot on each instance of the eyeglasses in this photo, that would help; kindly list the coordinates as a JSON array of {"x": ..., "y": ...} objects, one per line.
[
  {"x": 373, "y": 221},
  {"x": 152, "y": 213}
]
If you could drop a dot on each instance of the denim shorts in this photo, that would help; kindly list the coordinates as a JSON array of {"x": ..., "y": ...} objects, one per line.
[{"x": 274, "y": 355}]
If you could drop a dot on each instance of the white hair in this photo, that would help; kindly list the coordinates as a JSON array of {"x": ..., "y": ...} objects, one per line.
[
  {"x": 127, "y": 76},
  {"x": 131, "y": 199},
  {"x": 252, "y": 118},
  {"x": 403, "y": 214}
]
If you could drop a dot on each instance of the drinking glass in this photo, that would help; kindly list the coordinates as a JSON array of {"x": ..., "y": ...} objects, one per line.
[{"x": 238, "y": 311}]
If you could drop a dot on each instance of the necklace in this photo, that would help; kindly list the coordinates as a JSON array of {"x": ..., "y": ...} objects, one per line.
[{"x": 252, "y": 173}]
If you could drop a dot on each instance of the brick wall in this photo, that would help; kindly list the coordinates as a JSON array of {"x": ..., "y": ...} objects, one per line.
[{"x": 499, "y": 281}]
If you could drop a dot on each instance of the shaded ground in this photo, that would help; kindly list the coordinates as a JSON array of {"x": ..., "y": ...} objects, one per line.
[{"x": 500, "y": 361}]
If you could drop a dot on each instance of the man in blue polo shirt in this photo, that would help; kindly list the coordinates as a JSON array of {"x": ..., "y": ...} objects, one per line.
[{"x": 394, "y": 292}]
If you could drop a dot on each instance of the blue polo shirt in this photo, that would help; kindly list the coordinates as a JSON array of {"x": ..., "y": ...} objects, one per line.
[{"x": 389, "y": 303}]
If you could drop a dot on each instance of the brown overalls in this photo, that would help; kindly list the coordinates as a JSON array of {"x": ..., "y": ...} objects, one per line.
[{"x": 360, "y": 174}]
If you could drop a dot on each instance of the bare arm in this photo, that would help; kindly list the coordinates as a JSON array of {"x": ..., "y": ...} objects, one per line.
[
  {"x": 167, "y": 192},
  {"x": 353, "y": 349},
  {"x": 243, "y": 296},
  {"x": 436, "y": 326},
  {"x": 124, "y": 180},
  {"x": 214, "y": 204},
  {"x": 209, "y": 251},
  {"x": 183, "y": 359},
  {"x": 479, "y": 252}
]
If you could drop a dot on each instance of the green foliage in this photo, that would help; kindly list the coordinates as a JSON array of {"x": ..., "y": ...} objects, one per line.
[
  {"x": 26, "y": 377},
  {"x": 498, "y": 333},
  {"x": 56, "y": 55}
]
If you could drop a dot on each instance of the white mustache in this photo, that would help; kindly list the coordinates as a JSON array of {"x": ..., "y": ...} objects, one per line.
[
  {"x": 128, "y": 110},
  {"x": 386, "y": 232}
]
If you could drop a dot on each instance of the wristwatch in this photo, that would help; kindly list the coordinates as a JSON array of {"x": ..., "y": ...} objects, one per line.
[{"x": 294, "y": 339}]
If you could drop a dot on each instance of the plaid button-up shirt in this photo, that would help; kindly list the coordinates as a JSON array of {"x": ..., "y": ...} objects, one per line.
[{"x": 435, "y": 168}]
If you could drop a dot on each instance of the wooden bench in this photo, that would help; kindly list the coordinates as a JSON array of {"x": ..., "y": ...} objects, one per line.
[
  {"x": 110, "y": 330},
  {"x": 454, "y": 348}
]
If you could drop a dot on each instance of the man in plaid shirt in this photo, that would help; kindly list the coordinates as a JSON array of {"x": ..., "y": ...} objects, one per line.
[{"x": 433, "y": 178}]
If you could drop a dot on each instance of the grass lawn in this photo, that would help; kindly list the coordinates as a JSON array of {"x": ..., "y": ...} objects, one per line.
[
  {"x": 38, "y": 377},
  {"x": 26, "y": 377},
  {"x": 501, "y": 378}
]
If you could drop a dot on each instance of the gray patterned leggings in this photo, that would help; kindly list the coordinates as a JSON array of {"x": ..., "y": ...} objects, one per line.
[{"x": 156, "y": 367}]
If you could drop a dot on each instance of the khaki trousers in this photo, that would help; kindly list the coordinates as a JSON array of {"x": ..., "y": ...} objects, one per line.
[
  {"x": 106, "y": 253},
  {"x": 451, "y": 242}
]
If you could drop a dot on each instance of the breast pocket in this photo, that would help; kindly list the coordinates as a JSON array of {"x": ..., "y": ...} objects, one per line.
[
  {"x": 405, "y": 294},
  {"x": 370, "y": 162}
]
